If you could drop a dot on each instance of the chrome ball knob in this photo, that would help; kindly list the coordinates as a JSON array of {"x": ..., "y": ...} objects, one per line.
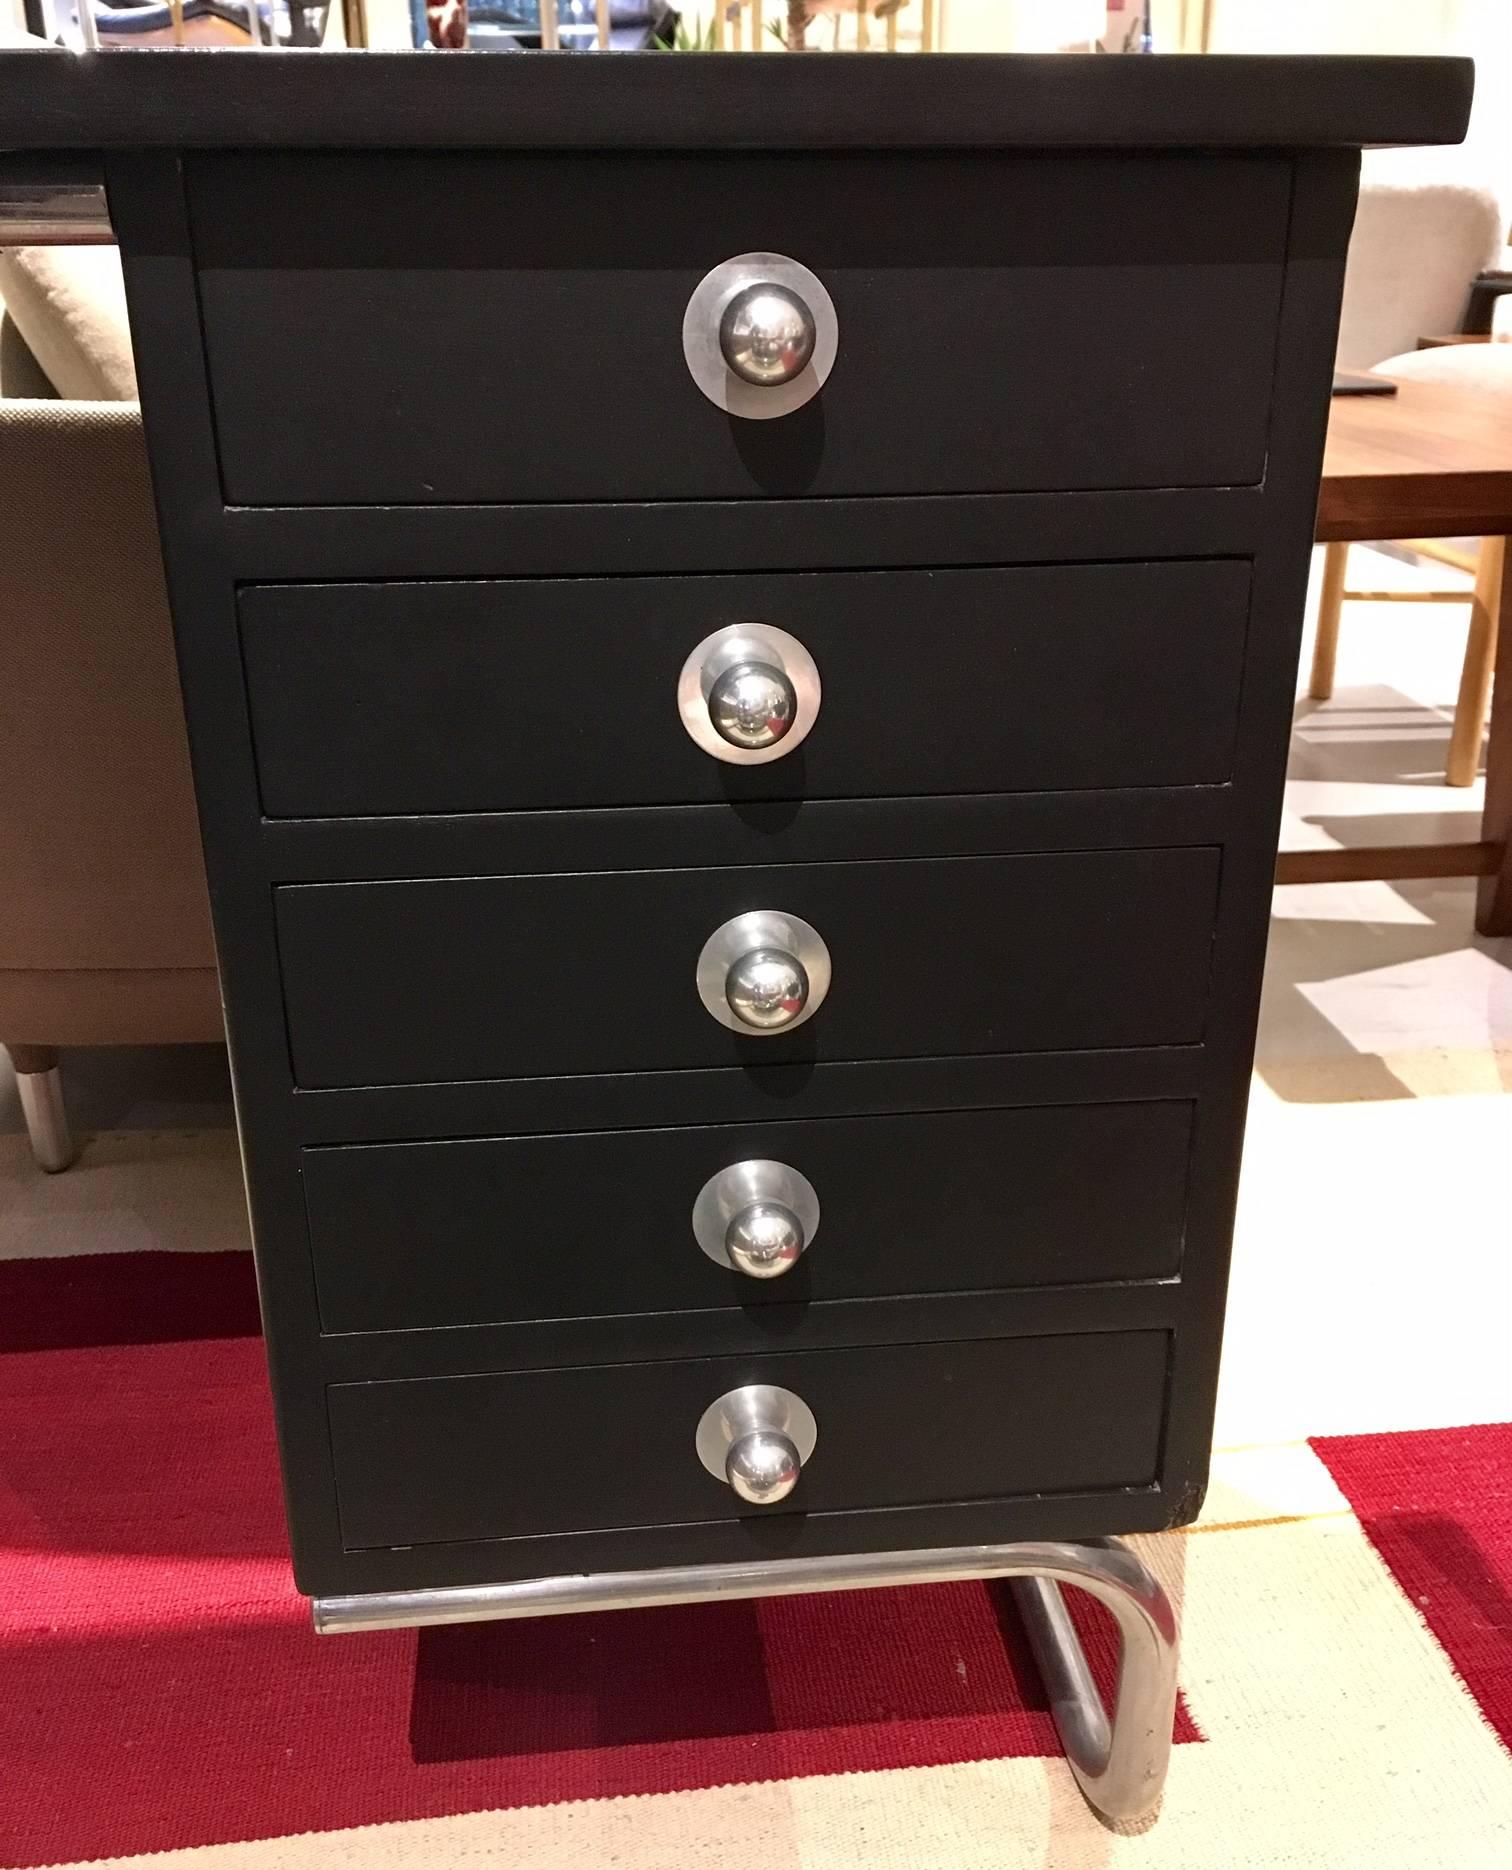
[
  {"x": 767, "y": 334},
  {"x": 767, "y": 989},
  {"x": 763, "y": 1467},
  {"x": 752, "y": 705},
  {"x": 757, "y": 1439},
  {"x": 757, "y": 1217},
  {"x": 748, "y": 694},
  {"x": 764, "y": 1240},
  {"x": 760, "y": 974}
]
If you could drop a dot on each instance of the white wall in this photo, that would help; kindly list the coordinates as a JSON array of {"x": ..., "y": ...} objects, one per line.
[
  {"x": 1480, "y": 29},
  {"x": 1483, "y": 30},
  {"x": 1332, "y": 25}
]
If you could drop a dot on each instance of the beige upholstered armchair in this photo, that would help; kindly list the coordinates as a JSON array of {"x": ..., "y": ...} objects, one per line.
[
  {"x": 1421, "y": 235},
  {"x": 104, "y": 926}
]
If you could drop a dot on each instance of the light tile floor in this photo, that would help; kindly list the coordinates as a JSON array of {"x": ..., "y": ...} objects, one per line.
[
  {"x": 1372, "y": 1283},
  {"x": 1372, "y": 1280}
]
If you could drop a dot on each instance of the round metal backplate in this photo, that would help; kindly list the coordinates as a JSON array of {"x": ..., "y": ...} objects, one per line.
[
  {"x": 700, "y": 336},
  {"x": 743, "y": 935},
  {"x": 742, "y": 1412},
  {"x": 726, "y": 649},
  {"x": 724, "y": 1195}
]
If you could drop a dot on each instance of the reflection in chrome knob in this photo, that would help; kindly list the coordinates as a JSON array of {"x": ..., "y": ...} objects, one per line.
[
  {"x": 763, "y": 1467},
  {"x": 764, "y": 1240},
  {"x": 758, "y": 1217},
  {"x": 767, "y": 989},
  {"x": 760, "y": 336},
  {"x": 757, "y": 1439},
  {"x": 763, "y": 972},
  {"x": 752, "y": 705},
  {"x": 767, "y": 334},
  {"x": 748, "y": 694}
]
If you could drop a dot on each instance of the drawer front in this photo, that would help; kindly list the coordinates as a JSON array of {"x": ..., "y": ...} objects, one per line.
[
  {"x": 478, "y": 697},
  {"x": 510, "y": 327},
  {"x": 500, "y": 977},
  {"x": 426, "y": 1460},
  {"x": 413, "y": 1235}
]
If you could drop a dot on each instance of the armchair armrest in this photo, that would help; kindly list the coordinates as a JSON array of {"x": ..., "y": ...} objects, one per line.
[{"x": 1480, "y": 309}]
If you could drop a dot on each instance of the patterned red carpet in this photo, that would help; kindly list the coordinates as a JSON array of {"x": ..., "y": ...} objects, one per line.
[
  {"x": 163, "y": 1691},
  {"x": 1437, "y": 1506}
]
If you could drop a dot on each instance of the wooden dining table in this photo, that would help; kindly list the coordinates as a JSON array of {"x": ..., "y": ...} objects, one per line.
[{"x": 1432, "y": 461}]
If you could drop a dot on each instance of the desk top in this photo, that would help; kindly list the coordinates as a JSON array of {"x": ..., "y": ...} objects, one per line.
[
  {"x": 1435, "y": 460},
  {"x": 55, "y": 100}
]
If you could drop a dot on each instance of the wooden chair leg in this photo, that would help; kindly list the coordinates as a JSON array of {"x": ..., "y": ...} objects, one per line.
[
  {"x": 1480, "y": 659},
  {"x": 1493, "y": 915},
  {"x": 1330, "y": 604}
]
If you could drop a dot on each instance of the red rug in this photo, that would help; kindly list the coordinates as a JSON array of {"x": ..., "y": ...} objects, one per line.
[
  {"x": 1437, "y": 1505},
  {"x": 163, "y": 1687}
]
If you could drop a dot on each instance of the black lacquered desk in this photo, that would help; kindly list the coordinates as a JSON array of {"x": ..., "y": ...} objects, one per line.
[{"x": 739, "y": 744}]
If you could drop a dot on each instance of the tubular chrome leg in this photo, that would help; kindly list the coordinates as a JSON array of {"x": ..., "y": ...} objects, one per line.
[
  {"x": 1120, "y": 1766},
  {"x": 41, "y": 1089}
]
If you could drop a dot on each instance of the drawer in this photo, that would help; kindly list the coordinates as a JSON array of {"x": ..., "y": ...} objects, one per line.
[
  {"x": 426, "y": 1460},
  {"x": 414, "y": 1235},
  {"x": 521, "y": 694},
  {"x": 501, "y": 977},
  {"x": 510, "y": 327}
]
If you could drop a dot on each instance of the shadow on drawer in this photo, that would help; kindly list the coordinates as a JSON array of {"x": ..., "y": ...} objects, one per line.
[
  {"x": 440, "y": 328},
  {"x": 509, "y": 977},
  {"x": 410, "y": 1236},
  {"x": 424, "y": 1461},
  {"x": 542, "y": 694}
]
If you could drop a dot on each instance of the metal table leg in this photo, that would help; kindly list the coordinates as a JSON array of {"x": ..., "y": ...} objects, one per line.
[
  {"x": 1120, "y": 1765},
  {"x": 41, "y": 1090}
]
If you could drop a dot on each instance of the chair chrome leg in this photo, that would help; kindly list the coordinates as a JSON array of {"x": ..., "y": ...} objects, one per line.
[
  {"x": 41, "y": 1087},
  {"x": 1119, "y": 1765}
]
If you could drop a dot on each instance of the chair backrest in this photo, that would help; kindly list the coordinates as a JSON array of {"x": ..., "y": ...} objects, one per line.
[
  {"x": 1416, "y": 248},
  {"x": 69, "y": 303}
]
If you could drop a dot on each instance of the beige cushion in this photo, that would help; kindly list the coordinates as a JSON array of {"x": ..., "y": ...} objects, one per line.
[
  {"x": 1485, "y": 368},
  {"x": 70, "y": 306},
  {"x": 100, "y": 1006}
]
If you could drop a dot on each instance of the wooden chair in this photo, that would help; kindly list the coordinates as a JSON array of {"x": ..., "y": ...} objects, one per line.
[
  {"x": 1488, "y": 368},
  {"x": 1480, "y": 644},
  {"x": 1420, "y": 239}
]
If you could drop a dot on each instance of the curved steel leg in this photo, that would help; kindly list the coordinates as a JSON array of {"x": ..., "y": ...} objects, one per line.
[{"x": 1120, "y": 1766}]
